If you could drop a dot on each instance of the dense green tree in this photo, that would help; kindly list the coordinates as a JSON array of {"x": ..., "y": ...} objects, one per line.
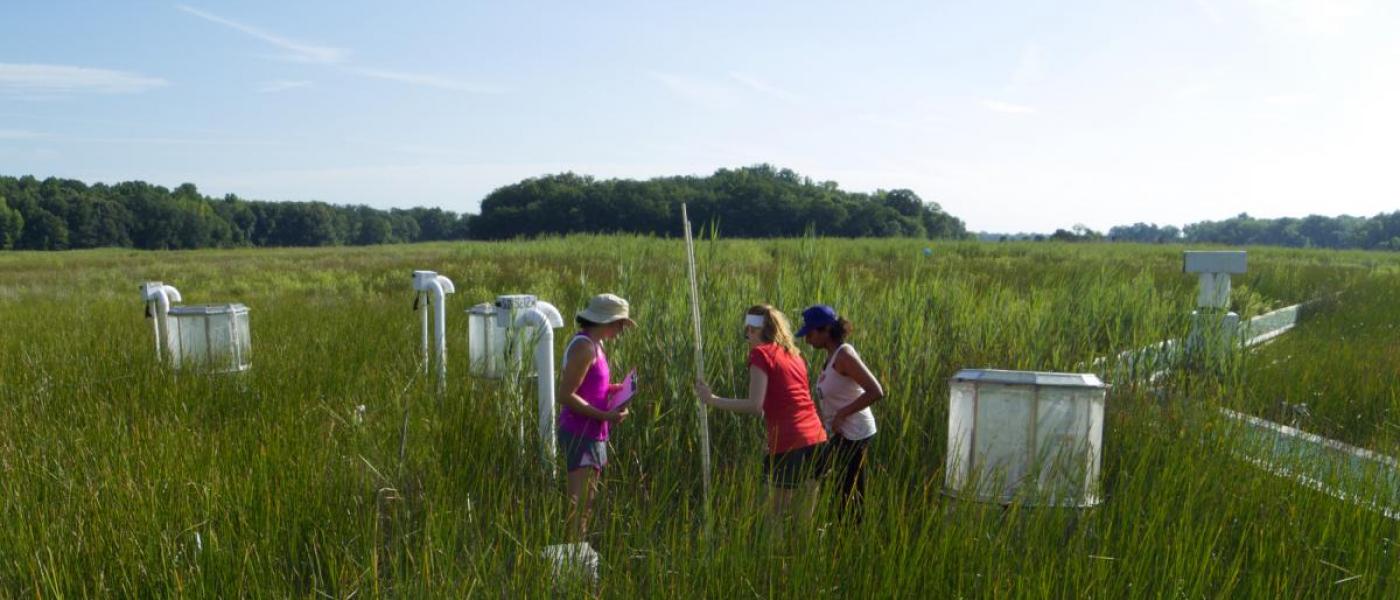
[
  {"x": 11, "y": 225},
  {"x": 757, "y": 201},
  {"x": 55, "y": 214},
  {"x": 44, "y": 230},
  {"x": 1314, "y": 231},
  {"x": 1144, "y": 233}
]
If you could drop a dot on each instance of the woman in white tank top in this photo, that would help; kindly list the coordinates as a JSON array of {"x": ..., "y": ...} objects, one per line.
[{"x": 846, "y": 388}]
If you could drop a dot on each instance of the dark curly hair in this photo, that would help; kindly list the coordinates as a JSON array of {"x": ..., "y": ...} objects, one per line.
[{"x": 840, "y": 329}]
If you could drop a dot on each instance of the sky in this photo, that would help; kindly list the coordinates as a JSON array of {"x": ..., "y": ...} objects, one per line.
[{"x": 1014, "y": 116}]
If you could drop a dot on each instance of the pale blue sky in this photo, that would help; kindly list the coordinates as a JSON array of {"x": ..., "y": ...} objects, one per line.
[{"x": 1013, "y": 115}]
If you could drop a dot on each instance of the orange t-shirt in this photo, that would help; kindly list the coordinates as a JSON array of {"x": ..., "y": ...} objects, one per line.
[{"x": 789, "y": 414}]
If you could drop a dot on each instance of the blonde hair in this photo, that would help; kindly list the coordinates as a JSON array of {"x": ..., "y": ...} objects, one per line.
[{"x": 775, "y": 328}]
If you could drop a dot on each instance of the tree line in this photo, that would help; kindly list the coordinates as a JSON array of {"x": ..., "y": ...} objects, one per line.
[
  {"x": 751, "y": 202},
  {"x": 1381, "y": 232},
  {"x": 61, "y": 214},
  {"x": 760, "y": 201}
]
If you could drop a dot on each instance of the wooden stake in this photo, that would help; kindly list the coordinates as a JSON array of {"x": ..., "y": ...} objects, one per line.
[{"x": 699, "y": 365}]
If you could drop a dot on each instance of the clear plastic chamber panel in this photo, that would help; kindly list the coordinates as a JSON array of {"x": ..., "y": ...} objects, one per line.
[
  {"x": 216, "y": 337},
  {"x": 1023, "y": 436}
]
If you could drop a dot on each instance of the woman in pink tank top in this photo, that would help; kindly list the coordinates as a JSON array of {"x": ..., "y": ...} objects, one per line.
[{"x": 584, "y": 418}]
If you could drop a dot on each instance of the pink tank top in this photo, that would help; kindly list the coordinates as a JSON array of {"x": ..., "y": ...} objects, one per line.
[{"x": 593, "y": 390}]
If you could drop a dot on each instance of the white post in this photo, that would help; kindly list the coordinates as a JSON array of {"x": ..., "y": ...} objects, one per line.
[
  {"x": 158, "y": 297},
  {"x": 435, "y": 288},
  {"x": 155, "y": 325},
  {"x": 441, "y": 287},
  {"x": 544, "y": 317},
  {"x": 423, "y": 303},
  {"x": 1213, "y": 326}
]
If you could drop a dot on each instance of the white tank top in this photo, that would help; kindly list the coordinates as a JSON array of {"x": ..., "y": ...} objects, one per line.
[{"x": 838, "y": 391}]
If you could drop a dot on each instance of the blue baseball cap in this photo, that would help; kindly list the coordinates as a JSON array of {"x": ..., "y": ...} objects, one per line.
[{"x": 817, "y": 316}]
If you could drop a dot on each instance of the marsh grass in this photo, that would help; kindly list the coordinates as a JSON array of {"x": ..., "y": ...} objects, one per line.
[{"x": 118, "y": 477}]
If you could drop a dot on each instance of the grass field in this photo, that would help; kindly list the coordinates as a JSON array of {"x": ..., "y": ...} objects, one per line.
[{"x": 118, "y": 477}]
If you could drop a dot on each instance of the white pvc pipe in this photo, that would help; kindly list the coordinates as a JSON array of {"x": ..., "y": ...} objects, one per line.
[
  {"x": 427, "y": 358},
  {"x": 158, "y": 297},
  {"x": 433, "y": 288},
  {"x": 156, "y": 318},
  {"x": 544, "y": 317},
  {"x": 440, "y": 287}
]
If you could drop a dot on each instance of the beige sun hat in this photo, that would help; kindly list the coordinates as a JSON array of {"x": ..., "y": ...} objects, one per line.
[{"x": 606, "y": 308}]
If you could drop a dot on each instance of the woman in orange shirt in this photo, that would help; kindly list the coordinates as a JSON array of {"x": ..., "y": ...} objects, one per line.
[{"x": 778, "y": 391}]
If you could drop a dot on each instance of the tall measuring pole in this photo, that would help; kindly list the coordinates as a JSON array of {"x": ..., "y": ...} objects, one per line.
[{"x": 699, "y": 364}]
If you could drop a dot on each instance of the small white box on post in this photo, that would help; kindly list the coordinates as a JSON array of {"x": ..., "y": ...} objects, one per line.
[
  {"x": 517, "y": 338},
  {"x": 1213, "y": 326},
  {"x": 1025, "y": 436},
  {"x": 1215, "y": 268}
]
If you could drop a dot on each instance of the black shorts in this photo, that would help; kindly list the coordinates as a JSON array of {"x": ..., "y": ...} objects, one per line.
[{"x": 787, "y": 470}]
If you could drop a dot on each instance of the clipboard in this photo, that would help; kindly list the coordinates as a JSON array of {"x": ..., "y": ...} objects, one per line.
[{"x": 624, "y": 395}]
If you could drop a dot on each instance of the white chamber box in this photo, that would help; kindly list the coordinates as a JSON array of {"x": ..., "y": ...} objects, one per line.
[
  {"x": 209, "y": 336},
  {"x": 1025, "y": 436}
]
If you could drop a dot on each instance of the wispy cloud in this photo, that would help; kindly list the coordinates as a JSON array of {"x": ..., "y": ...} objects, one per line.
[
  {"x": 19, "y": 134},
  {"x": 272, "y": 87},
  {"x": 1008, "y": 107},
  {"x": 917, "y": 120},
  {"x": 298, "y": 51},
  {"x": 200, "y": 140},
  {"x": 765, "y": 88},
  {"x": 167, "y": 141},
  {"x": 722, "y": 93},
  {"x": 428, "y": 80},
  {"x": 338, "y": 58},
  {"x": 702, "y": 93},
  {"x": 1313, "y": 17},
  {"x": 61, "y": 80}
]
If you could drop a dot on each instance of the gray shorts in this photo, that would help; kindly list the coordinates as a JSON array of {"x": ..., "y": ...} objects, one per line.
[{"x": 580, "y": 452}]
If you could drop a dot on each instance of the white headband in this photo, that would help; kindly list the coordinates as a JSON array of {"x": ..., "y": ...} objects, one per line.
[{"x": 754, "y": 321}]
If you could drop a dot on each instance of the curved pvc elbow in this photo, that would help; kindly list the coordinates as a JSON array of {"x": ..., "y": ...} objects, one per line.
[
  {"x": 532, "y": 317},
  {"x": 164, "y": 296},
  {"x": 550, "y": 314},
  {"x": 445, "y": 285}
]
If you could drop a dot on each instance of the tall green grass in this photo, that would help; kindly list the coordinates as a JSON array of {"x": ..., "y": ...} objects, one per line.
[{"x": 118, "y": 477}]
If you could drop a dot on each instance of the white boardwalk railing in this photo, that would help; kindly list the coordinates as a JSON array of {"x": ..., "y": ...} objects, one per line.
[{"x": 1362, "y": 477}]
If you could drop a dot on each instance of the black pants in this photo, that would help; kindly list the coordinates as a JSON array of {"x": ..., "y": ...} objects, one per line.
[{"x": 846, "y": 460}]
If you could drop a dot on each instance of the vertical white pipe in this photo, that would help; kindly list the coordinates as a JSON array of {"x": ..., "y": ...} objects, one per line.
[
  {"x": 440, "y": 314},
  {"x": 158, "y": 297},
  {"x": 544, "y": 366},
  {"x": 155, "y": 324},
  {"x": 163, "y": 323},
  {"x": 423, "y": 304},
  {"x": 544, "y": 318}
]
